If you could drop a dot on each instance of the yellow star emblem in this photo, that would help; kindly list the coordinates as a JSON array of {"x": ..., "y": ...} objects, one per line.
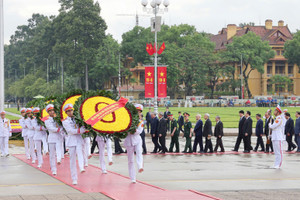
[
  {"x": 162, "y": 74},
  {"x": 149, "y": 73}
]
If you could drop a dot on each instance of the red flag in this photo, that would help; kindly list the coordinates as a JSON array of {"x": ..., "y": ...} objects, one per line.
[
  {"x": 161, "y": 49},
  {"x": 154, "y": 47},
  {"x": 149, "y": 82},
  {"x": 162, "y": 82},
  {"x": 148, "y": 48},
  {"x": 151, "y": 50}
]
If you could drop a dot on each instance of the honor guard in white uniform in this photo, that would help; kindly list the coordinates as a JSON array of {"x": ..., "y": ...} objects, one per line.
[
  {"x": 39, "y": 135},
  {"x": 5, "y": 133},
  {"x": 133, "y": 143},
  {"x": 86, "y": 151},
  {"x": 102, "y": 140},
  {"x": 30, "y": 133},
  {"x": 24, "y": 132},
  {"x": 55, "y": 139},
  {"x": 74, "y": 142},
  {"x": 277, "y": 137}
]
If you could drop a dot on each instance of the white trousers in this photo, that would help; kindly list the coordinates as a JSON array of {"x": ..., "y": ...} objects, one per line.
[
  {"x": 32, "y": 148},
  {"x": 27, "y": 152},
  {"x": 62, "y": 149},
  {"x": 139, "y": 159},
  {"x": 73, "y": 151},
  {"x": 38, "y": 146},
  {"x": 86, "y": 150},
  {"x": 45, "y": 144},
  {"x": 101, "y": 146},
  {"x": 55, "y": 151},
  {"x": 4, "y": 145},
  {"x": 278, "y": 151}
]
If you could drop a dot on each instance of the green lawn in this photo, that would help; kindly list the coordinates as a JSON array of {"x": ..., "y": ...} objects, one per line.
[
  {"x": 229, "y": 115},
  {"x": 13, "y": 110},
  {"x": 10, "y": 117}
]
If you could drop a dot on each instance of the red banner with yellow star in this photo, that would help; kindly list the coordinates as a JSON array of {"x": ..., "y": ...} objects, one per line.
[
  {"x": 149, "y": 82},
  {"x": 162, "y": 82}
]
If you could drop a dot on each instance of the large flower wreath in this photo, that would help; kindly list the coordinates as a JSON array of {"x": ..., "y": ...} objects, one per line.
[{"x": 118, "y": 124}]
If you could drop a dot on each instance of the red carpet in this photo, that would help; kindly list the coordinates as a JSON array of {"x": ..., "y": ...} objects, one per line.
[{"x": 114, "y": 185}]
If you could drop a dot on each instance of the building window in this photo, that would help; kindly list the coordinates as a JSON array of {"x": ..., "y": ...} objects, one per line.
[
  {"x": 142, "y": 78},
  {"x": 269, "y": 68},
  {"x": 279, "y": 88},
  {"x": 269, "y": 87},
  {"x": 279, "y": 67},
  {"x": 278, "y": 52},
  {"x": 291, "y": 69}
]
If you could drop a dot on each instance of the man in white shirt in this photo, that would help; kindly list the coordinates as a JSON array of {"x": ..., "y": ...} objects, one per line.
[
  {"x": 30, "y": 134},
  {"x": 74, "y": 142},
  {"x": 277, "y": 137},
  {"x": 24, "y": 134},
  {"x": 55, "y": 139},
  {"x": 5, "y": 133}
]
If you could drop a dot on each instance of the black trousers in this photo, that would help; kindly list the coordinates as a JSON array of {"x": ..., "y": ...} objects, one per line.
[
  {"x": 162, "y": 142},
  {"x": 94, "y": 144},
  {"x": 118, "y": 148},
  {"x": 208, "y": 145},
  {"x": 198, "y": 141},
  {"x": 238, "y": 142},
  {"x": 247, "y": 144},
  {"x": 269, "y": 146},
  {"x": 260, "y": 142},
  {"x": 156, "y": 145},
  {"x": 219, "y": 143},
  {"x": 289, "y": 140},
  {"x": 144, "y": 143}
]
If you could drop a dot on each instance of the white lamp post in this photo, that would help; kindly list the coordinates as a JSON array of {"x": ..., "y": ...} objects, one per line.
[
  {"x": 156, "y": 10},
  {"x": 1, "y": 57}
]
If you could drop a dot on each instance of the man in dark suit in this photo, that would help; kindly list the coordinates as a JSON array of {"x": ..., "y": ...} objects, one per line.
[
  {"x": 219, "y": 134},
  {"x": 240, "y": 135},
  {"x": 247, "y": 131},
  {"x": 259, "y": 131},
  {"x": 198, "y": 134},
  {"x": 267, "y": 131},
  {"x": 207, "y": 133},
  {"x": 289, "y": 131},
  {"x": 148, "y": 120},
  {"x": 162, "y": 133},
  {"x": 180, "y": 122},
  {"x": 166, "y": 113},
  {"x": 154, "y": 133},
  {"x": 297, "y": 130}
]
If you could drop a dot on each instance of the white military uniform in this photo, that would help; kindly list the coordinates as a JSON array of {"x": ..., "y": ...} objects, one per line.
[
  {"x": 133, "y": 143},
  {"x": 101, "y": 140},
  {"x": 30, "y": 133},
  {"x": 55, "y": 139},
  {"x": 5, "y": 133},
  {"x": 75, "y": 145},
  {"x": 24, "y": 135},
  {"x": 277, "y": 139},
  {"x": 86, "y": 150},
  {"x": 39, "y": 135}
]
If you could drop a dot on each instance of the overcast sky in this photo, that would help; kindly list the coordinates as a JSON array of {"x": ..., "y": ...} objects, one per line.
[{"x": 206, "y": 15}]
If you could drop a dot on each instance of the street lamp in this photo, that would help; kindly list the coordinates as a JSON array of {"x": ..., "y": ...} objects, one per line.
[{"x": 155, "y": 9}]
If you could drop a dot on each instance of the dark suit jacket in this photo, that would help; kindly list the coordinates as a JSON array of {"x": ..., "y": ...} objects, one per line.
[
  {"x": 241, "y": 124},
  {"x": 154, "y": 126},
  {"x": 207, "y": 128},
  {"x": 162, "y": 127},
  {"x": 148, "y": 117},
  {"x": 297, "y": 126},
  {"x": 289, "y": 126},
  {"x": 247, "y": 128},
  {"x": 259, "y": 130},
  {"x": 270, "y": 120},
  {"x": 180, "y": 121},
  {"x": 219, "y": 129},
  {"x": 198, "y": 128}
]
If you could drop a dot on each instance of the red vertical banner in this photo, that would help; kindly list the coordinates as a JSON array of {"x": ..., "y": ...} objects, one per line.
[
  {"x": 149, "y": 82},
  {"x": 162, "y": 82}
]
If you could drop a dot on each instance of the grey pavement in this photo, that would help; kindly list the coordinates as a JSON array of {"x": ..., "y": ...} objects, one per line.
[
  {"x": 229, "y": 176},
  {"x": 13, "y": 114}
]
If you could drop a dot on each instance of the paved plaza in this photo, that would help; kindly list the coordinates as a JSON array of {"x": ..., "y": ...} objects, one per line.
[{"x": 225, "y": 176}]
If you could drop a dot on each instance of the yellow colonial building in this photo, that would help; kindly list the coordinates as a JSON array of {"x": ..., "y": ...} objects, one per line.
[{"x": 259, "y": 84}]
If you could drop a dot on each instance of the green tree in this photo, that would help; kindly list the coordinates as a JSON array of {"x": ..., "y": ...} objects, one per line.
[
  {"x": 255, "y": 53},
  {"x": 281, "y": 81},
  {"x": 292, "y": 49}
]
